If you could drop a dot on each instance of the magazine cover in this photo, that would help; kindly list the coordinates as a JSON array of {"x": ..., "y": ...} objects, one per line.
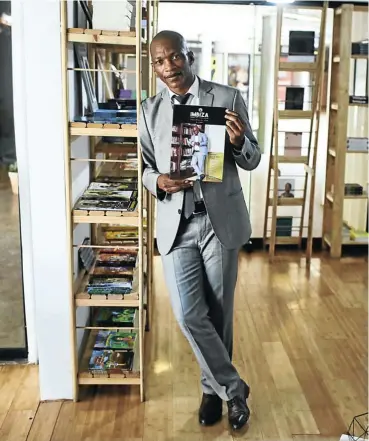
[{"x": 198, "y": 139}]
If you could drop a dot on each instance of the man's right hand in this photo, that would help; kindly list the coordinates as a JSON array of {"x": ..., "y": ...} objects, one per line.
[{"x": 173, "y": 185}]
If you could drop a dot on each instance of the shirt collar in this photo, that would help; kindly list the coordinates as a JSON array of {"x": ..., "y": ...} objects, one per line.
[{"x": 193, "y": 90}]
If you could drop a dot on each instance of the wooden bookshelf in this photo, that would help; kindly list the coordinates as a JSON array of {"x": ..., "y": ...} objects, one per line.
[
  {"x": 342, "y": 125},
  {"x": 106, "y": 159}
]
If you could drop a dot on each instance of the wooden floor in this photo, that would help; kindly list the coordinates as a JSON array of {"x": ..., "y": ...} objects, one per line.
[{"x": 300, "y": 341}]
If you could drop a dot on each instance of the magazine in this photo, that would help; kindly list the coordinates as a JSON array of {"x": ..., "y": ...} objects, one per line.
[
  {"x": 121, "y": 340},
  {"x": 112, "y": 361},
  {"x": 120, "y": 317},
  {"x": 198, "y": 139}
]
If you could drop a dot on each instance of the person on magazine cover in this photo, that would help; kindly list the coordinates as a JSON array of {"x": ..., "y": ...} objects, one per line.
[
  {"x": 199, "y": 144},
  {"x": 200, "y": 226}
]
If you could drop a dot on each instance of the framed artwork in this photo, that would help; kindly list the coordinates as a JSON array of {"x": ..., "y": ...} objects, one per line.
[
  {"x": 286, "y": 188},
  {"x": 239, "y": 73},
  {"x": 292, "y": 143},
  {"x": 284, "y": 226}
]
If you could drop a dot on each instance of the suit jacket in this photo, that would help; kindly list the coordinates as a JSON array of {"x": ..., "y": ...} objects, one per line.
[
  {"x": 203, "y": 139},
  {"x": 224, "y": 201}
]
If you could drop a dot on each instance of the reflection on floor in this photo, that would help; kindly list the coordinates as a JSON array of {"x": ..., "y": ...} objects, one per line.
[
  {"x": 11, "y": 290},
  {"x": 300, "y": 341}
]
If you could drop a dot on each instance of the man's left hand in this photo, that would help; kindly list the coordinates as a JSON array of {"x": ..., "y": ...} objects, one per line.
[{"x": 236, "y": 128}]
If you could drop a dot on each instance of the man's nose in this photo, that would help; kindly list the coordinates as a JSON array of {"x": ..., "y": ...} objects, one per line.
[{"x": 168, "y": 64}]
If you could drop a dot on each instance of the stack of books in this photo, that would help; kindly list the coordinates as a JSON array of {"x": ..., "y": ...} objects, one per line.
[
  {"x": 113, "y": 351},
  {"x": 109, "y": 196},
  {"x": 113, "y": 272}
]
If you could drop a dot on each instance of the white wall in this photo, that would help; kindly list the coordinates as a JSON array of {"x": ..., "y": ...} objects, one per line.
[
  {"x": 39, "y": 123},
  {"x": 40, "y": 151}
]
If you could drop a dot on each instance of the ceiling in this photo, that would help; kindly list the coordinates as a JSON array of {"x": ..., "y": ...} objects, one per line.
[{"x": 331, "y": 4}]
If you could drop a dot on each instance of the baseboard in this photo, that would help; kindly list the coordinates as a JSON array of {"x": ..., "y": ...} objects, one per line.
[
  {"x": 13, "y": 354},
  {"x": 257, "y": 244}
]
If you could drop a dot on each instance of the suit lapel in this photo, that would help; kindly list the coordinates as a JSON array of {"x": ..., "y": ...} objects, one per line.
[{"x": 206, "y": 97}]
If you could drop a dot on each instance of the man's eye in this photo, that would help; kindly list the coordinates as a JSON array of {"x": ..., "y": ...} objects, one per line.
[
  {"x": 175, "y": 57},
  {"x": 158, "y": 62}
]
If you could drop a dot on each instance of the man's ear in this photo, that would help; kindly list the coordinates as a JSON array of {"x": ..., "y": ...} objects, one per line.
[{"x": 191, "y": 57}]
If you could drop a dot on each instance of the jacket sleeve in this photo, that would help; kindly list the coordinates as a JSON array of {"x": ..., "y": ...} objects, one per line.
[
  {"x": 204, "y": 140},
  {"x": 249, "y": 155},
  {"x": 150, "y": 173}
]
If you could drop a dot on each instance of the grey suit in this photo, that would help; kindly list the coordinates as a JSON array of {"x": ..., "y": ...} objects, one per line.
[{"x": 200, "y": 255}]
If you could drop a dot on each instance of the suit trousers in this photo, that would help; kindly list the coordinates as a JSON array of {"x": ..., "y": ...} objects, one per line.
[{"x": 201, "y": 277}]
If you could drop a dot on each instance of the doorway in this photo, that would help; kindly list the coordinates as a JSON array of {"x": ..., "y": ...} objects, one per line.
[{"x": 13, "y": 342}]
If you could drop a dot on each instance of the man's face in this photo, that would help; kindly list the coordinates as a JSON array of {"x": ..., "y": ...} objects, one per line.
[
  {"x": 287, "y": 187},
  {"x": 196, "y": 130},
  {"x": 172, "y": 64}
]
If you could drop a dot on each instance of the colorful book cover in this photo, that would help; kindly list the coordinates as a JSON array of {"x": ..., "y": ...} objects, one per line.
[
  {"x": 119, "y": 340},
  {"x": 108, "y": 360},
  {"x": 105, "y": 205},
  {"x": 109, "y": 285},
  {"x": 198, "y": 140},
  {"x": 121, "y": 317},
  {"x": 111, "y": 271}
]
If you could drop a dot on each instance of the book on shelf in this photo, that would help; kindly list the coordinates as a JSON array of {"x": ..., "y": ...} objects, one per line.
[
  {"x": 294, "y": 98},
  {"x": 119, "y": 317},
  {"x": 116, "y": 259},
  {"x": 301, "y": 46},
  {"x": 116, "y": 340},
  {"x": 293, "y": 143},
  {"x": 97, "y": 285},
  {"x": 112, "y": 271},
  {"x": 110, "y": 361},
  {"x": 198, "y": 140},
  {"x": 101, "y": 205}
]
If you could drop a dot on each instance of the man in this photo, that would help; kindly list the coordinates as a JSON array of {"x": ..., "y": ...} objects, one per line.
[
  {"x": 287, "y": 191},
  {"x": 199, "y": 144},
  {"x": 200, "y": 226}
]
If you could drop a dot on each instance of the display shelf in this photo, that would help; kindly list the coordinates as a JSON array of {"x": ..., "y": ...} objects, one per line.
[
  {"x": 301, "y": 113},
  {"x": 94, "y": 129},
  {"x": 104, "y": 160},
  {"x": 349, "y": 25}
]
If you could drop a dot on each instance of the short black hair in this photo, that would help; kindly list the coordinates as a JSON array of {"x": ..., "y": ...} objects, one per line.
[{"x": 173, "y": 36}]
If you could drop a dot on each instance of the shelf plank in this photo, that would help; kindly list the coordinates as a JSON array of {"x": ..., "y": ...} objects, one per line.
[
  {"x": 114, "y": 148},
  {"x": 284, "y": 240},
  {"x": 98, "y": 36},
  {"x": 131, "y": 300},
  {"x": 91, "y": 129},
  {"x": 127, "y": 218},
  {"x": 291, "y": 159},
  {"x": 295, "y": 114},
  {"x": 287, "y": 66},
  {"x": 288, "y": 202},
  {"x": 345, "y": 241},
  {"x": 359, "y": 57}
]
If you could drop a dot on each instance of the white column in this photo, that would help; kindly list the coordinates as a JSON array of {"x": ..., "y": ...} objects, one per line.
[
  {"x": 205, "y": 69},
  {"x": 40, "y": 150}
]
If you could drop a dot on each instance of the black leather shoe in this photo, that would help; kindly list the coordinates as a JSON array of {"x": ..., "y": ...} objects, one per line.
[
  {"x": 210, "y": 411},
  {"x": 238, "y": 411}
]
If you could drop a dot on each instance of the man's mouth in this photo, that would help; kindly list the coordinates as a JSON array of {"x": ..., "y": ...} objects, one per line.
[{"x": 173, "y": 75}]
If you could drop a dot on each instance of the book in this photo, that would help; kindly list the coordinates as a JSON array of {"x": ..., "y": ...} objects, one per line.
[
  {"x": 120, "y": 340},
  {"x": 109, "y": 285},
  {"x": 198, "y": 140},
  {"x": 294, "y": 98},
  {"x": 112, "y": 361},
  {"x": 120, "y": 317},
  {"x": 105, "y": 205}
]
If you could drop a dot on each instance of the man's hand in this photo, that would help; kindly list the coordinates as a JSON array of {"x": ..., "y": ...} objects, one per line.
[
  {"x": 236, "y": 128},
  {"x": 172, "y": 185}
]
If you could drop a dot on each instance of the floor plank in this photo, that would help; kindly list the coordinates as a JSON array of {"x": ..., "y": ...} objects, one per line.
[{"x": 300, "y": 341}]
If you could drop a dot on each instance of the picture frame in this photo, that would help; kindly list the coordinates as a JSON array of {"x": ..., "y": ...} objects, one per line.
[
  {"x": 82, "y": 61},
  {"x": 286, "y": 188}
]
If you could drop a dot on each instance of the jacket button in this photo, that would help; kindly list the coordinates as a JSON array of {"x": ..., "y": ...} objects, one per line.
[{"x": 179, "y": 211}]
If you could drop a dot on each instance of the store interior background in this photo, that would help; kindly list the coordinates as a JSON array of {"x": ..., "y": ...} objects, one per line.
[{"x": 216, "y": 33}]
